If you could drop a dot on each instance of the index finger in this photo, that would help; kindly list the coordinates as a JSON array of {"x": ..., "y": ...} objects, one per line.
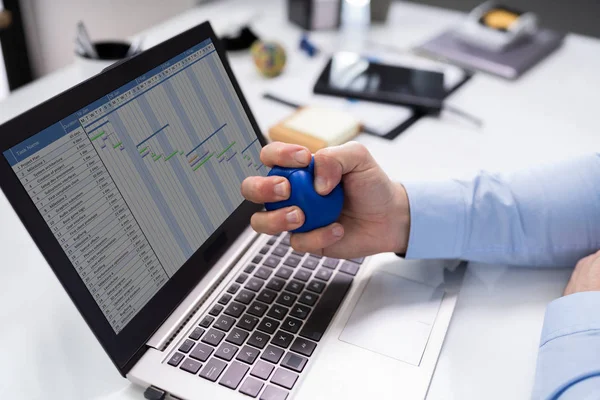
[{"x": 285, "y": 155}]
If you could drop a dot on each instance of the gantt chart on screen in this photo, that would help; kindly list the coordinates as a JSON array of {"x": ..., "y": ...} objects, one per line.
[{"x": 133, "y": 184}]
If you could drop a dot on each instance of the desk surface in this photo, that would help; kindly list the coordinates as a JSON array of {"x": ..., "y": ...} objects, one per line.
[{"x": 48, "y": 351}]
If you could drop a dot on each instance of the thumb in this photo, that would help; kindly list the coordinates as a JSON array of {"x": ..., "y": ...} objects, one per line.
[{"x": 334, "y": 162}]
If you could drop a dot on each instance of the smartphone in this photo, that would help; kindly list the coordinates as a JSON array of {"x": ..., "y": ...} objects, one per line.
[{"x": 353, "y": 76}]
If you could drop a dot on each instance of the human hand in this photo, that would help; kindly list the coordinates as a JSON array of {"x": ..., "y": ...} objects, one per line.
[
  {"x": 586, "y": 276},
  {"x": 375, "y": 217}
]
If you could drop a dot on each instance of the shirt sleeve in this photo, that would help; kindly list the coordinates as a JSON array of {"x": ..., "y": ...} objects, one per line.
[
  {"x": 545, "y": 216},
  {"x": 568, "y": 366}
]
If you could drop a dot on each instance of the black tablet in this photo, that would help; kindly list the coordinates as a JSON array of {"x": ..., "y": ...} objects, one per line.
[{"x": 352, "y": 76}]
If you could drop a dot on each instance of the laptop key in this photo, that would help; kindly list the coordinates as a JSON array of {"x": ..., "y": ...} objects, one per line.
[
  {"x": 234, "y": 375},
  {"x": 242, "y": 278},
  {"x": 324, "y": 274},
  {"x": 258, "y": 309},
  {"x": 272, "y": 240},
  {"x": 285, "y": 378},
  {"x": 191, "y": 366},
  {"x": 292, "y": 261},
  {"x": 225, "y": 299},
  {"x": 196, "y": 333},
  {"x": 282, "y": 339},
  {"x": 233, "y": 288},
  {"x": 267, "y": 296},
  {"x": 213, "y": 369},
  {"x": 247, "y": 322},
  {"x": 316, "y": 256},
  {"x": 331, "y": 263},
  {"x": 291, "y": 325},
  {"x": 251, "y": 387},
  {"x": 262, "y": 370},
  {"x": 277, "y": 311},
  {"x": 308, "y": 298},
  {"x": 237, "y": 336},
  {"x": 273, "y": 393},
  {"x": 310, "y": 263},
  {"x": 254, "y": 284},
  {"x": 284, "y": 272},
  {"x": 235, "y": 309},
  {"x": 213, "y": 337},
  {"x": 259, "y": 339},
  {"x": 319, "y": 320},
  {"x": 272, "y": 261},
  {"x": 300, "y": 311},
  {"x": 294, "y": 362},
  {"x": 176, "y": 359},
  {"x": 224, "y": 323},
  {"x": 264, "y": 250},
  {"x": 349, "y": 268},
  {"x": 216, "y": 310},
  {"x": 280, "y": 251},
  {"x": 186, "y": 346},
  {"x": 268, "y": 325},
  {"x": 295, "y": 286},
  {"x": 286, "y": 239},
  {"x": 201, "y": 352},
  {"x": 297, "y": 253},
  {"x": 205, "y": 323},
  {"x": 303, "y": 346},
  {"x": 263, "y": 273},
  {"x": 287, "y": 299},
  {"x": 248, "y": 355},
  {"x": 276, "y": 284},
  {"x": 257, "y": 259},
  {"x": 245, "y": 297},
  {"x": 302, "y": 275},
  {"x": 358, "y": 260},
  {"x": 316, "y": 286},
  {"x": 272, "y": 354},
  {"x": 249, "y": 269},
  {"x": 226, "y": 351}
]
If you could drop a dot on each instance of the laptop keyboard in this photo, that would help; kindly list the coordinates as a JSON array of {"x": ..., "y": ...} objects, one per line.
[{"x": 259, "y": 335}]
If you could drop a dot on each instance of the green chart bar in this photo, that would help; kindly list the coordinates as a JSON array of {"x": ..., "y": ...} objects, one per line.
[
  {"x": 157, "y": 157},
  {"x": 172, "y": 154},
  {"x": 225, "y": 151},
  {"x": 202, "y": 163},
  {"x": 144, "y": 149},
  {"x": 117, "y": 145},
  {"x": 98, "y": 136}
]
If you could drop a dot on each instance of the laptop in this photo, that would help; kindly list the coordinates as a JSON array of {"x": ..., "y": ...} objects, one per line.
[{"x": 129, "y": 184}]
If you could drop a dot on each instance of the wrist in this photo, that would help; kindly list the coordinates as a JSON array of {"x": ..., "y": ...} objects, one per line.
[{"x": 400, "y": 218}]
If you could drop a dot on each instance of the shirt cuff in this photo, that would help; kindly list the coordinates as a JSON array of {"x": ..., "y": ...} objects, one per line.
[
  {"x": 571, "y": 314},
  {"x": 437, "y": 220}
]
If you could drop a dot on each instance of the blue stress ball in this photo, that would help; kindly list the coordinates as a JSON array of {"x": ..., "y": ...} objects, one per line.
[{"x": 319, "y": 211}]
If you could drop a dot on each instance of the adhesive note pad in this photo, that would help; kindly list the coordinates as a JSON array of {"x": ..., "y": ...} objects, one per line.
[
  {"x": 330, "y": 125},
  {"x": 394, "y": 317}
]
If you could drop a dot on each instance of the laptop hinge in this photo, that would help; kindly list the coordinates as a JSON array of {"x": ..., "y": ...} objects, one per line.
[{"x": 190, "y": 305}]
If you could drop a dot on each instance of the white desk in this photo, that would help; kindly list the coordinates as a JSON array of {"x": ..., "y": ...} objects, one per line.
[{"x": 47, "y": 351}]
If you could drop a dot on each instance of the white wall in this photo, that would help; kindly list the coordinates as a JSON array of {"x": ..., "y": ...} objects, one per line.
[
  {"x": 50, "y": 24},
  {"x": 3, "y": 78}
]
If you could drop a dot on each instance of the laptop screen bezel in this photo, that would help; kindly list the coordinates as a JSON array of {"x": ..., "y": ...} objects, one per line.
[{"x": 128, "y": 346}]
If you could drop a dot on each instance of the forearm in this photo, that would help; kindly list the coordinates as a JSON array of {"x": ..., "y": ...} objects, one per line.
[
  {"x": 546, "y": 216},
  {"x": 568, "y": 366}
]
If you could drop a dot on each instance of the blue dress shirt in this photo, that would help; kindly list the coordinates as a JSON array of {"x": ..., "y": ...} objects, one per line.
[{"x": 547, "y": 216}]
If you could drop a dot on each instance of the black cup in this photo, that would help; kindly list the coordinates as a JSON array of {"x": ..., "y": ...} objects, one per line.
[{"x": 110, "y": 50}]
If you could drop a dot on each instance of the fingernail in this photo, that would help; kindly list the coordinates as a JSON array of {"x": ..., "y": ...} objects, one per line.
[
  {"x": 320, "y": 184},
  {"x": 337, "y": 231},
  {"x": 292, "y": 217},
  {"x": 280, "y": 189},
  {"x": 301, "y": 156}
]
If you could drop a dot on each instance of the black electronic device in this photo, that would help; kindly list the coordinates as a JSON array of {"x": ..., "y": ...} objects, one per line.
[{"x": 352, "y": 76}]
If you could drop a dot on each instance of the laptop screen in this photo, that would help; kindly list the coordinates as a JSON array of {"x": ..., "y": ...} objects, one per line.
[{"x": 134, "y": 183}]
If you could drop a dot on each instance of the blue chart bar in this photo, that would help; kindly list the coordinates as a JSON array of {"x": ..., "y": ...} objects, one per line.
[
  {"x": 247, "y": 147},
  {"x": 205, "y": 140},
  {"x": 151, "y": 136}
]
